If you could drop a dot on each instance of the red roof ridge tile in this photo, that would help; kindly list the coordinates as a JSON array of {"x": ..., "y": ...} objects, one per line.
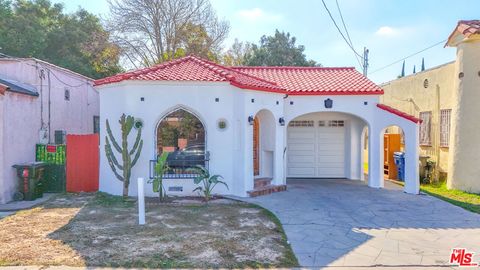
[
  {"x": 292, "y": 68},
  {"x": 399, "y": 113},
  {"x": 202, "y": 61}
]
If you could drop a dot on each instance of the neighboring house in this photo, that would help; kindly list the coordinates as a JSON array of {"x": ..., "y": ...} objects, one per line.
[
  {"x": 37, "y": 99},
  {"x": 253, "y": 125},
  {"x": 447, "y": 99}
]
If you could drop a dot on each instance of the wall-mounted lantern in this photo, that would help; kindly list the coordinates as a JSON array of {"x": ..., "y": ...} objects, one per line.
[
  {"x": 250, "y": 120},
  {"x": 328, "y": 103},
  {"x": 281, "y": 121}
]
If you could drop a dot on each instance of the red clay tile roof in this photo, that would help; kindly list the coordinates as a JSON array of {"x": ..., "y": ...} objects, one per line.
[
  {"x": 192, "y": 68},
  {"x": 291, "y": 80},
  {"x": 316, "y": 80},
  {"x": 466, "y": 28},
  {"x": 399, "y": 113}
]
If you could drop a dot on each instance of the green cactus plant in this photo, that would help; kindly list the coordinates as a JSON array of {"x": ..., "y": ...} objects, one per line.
[{"x": 126, "y": 124}]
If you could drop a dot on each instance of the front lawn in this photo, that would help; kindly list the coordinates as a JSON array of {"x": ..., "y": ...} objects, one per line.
[
  {"x": 102, "y": 230},
  {"x": 468, "y": 201}
]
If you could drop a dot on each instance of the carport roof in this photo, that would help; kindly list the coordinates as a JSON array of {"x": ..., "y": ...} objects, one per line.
[
  {"x": 288, "y": 80},
  {"x": 18, "y": 87},
  {"x": 399, "y": 113}
]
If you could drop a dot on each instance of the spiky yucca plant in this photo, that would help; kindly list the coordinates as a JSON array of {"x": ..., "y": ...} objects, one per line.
[{"x": 126, "y": 125}]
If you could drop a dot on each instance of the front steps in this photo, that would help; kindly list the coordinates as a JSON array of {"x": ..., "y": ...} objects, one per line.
[{"x": 263, "y": 186}]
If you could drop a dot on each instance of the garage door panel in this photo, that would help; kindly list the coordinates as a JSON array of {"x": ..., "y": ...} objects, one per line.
[
  {"x": 307, "y": 134},
  {"x": 301, "y": 159},
  {"x": 316, "y": 152},
  {"x": 333, "y": 165},
  {"x": 330, "y": 159},
  {"x": 302, "y": 147},
  {"x": 327, "y": 148},
  {"x": 329, "y": 135},
  {"x": 299, "y": 172},
  {"x": 334, "y": 173}
]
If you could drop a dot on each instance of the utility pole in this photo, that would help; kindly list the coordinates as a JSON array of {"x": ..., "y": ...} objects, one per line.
[{"x": 365, "y": 61}]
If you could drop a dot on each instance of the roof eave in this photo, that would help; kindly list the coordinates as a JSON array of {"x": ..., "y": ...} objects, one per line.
[{"x": 334, "y": 93}]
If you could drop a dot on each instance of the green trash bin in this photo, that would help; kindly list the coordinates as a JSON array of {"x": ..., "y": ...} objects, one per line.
[
  {"x": 54, "y": 178},
  {"x": 54, "y": 156},
  {"x": 30, "y": 176}
]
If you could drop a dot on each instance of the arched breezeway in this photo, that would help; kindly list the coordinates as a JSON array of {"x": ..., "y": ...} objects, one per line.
[{"x": 343, "y": 145}]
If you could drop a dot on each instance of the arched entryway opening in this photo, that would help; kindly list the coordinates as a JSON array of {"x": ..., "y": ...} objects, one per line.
[
  {"x": 263, "y": 145},
  {"x": 392, "y": 145},
  {"x": 182, "y": 134},
  {"x": 325, "y": 145}
]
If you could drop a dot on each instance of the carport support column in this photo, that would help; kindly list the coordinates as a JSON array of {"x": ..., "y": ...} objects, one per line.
[
  {"x": 412, "y": 178},
  {"x": 375, "y": 158}
]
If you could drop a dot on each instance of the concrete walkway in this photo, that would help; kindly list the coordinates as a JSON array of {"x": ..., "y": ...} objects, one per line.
[
  {"x": 11, "y": 207},
  {"x": 345, "y": 223}
]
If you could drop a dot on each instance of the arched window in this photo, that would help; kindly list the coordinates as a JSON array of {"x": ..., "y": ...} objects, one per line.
[{"x": 181, "y": 134}]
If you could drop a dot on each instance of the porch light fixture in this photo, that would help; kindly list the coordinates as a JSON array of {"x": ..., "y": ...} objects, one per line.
[
  {"x": 328, "y": 103},
  {"x": 250, "y": 120},
  {"x": 281, "y": 121}
]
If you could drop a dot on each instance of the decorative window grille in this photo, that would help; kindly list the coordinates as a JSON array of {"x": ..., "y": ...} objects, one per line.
[
  {"x": 445, "y": 127},
  {"x": 301, "y": 123},
  {"x": 425, "y": 128},
  {"x": 336, "y": 123}
]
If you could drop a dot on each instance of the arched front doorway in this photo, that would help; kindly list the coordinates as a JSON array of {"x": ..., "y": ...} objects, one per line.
[
  {"x": 182, "y": 135},
  {"x": 263, "y": 144}
]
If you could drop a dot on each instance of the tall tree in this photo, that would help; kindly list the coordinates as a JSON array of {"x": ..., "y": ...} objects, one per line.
[
  {"x": 278, "y": 50},
  {"x": 154, "y": 31},
  {"x": 78, "y": 41},
  {"x": 236, "y": 55}
]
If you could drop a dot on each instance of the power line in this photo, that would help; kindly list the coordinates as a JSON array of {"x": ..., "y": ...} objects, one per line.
[
  {"x": 339, "y": 31},
  {"x": 413, "y": 54},
  {"x": 346, "y": 32}
]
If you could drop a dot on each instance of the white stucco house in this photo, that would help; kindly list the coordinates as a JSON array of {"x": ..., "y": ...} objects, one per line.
[
  {"x": 255, "y": 126},
  {"x": 36, "y": 99}
]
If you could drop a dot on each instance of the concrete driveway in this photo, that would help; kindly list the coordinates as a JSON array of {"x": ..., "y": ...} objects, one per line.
[{"x": 345, "y": 223}]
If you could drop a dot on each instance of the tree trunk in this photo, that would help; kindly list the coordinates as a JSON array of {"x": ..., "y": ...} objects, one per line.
[{"x": 125, "y": 189}]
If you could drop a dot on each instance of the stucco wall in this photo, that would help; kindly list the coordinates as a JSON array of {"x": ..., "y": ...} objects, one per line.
[
  {"x": 230, "y": 149},
  {"x": 409, "y": 95},
  {"x": 465, "y": 151},
  {"x": 22, "y": 114}
]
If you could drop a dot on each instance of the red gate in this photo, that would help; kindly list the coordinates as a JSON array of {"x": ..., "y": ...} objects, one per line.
[{"x": 82, "y": 163}]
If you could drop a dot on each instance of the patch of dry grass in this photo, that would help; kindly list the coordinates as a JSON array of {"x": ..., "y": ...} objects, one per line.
[{"x": 100, "y": 230}]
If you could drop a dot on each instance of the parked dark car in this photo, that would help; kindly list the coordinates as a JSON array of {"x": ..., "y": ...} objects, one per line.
[{"x": 191, "y": 156}]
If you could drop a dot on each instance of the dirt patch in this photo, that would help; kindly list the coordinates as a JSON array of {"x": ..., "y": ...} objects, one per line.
[{"x": 100, "y": 230}]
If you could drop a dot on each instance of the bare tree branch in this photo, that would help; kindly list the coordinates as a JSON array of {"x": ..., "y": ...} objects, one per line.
[{"x": 154, "y": 31}]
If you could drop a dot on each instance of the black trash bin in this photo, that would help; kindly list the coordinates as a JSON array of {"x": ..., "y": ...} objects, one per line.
[{"x": 30, "y": 176}]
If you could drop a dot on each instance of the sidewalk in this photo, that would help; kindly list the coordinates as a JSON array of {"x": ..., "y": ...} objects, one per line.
[{"x": 21, "y": 205}]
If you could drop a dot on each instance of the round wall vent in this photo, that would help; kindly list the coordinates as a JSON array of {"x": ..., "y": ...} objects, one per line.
[{"x": 425, "y": 83}]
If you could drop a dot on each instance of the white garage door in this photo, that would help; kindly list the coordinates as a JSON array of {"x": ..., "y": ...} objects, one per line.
[{"x": 316, "y": 149}]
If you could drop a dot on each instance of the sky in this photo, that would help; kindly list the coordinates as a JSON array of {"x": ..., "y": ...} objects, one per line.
[{"x": 390, "y": 29}]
